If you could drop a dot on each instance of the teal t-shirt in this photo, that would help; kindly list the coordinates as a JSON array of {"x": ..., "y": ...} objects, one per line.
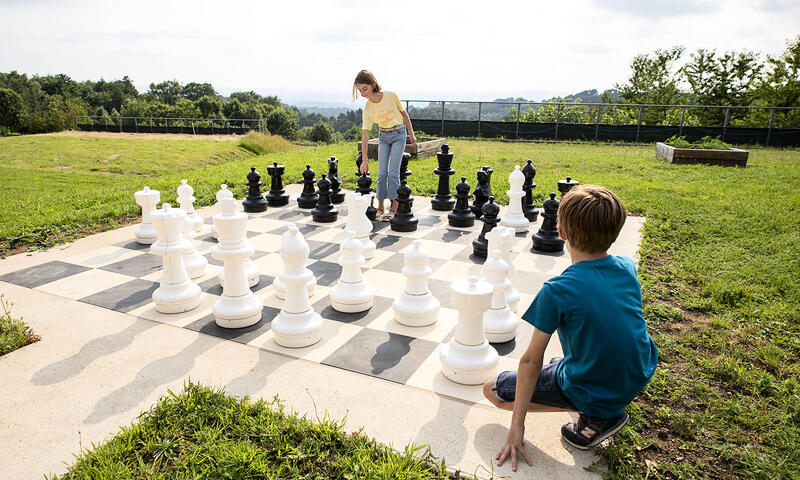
[{"x": 609, "y": 357}]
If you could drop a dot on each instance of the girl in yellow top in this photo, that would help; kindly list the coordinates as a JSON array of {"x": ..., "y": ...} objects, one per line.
[{"x": 385, "y": 109}]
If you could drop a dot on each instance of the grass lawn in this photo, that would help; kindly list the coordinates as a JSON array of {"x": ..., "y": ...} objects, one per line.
[{"x": 719, "y": 270}]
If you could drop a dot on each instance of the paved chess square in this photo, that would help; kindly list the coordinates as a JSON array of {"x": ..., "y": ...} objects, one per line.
[{"x": 39, "y": 275}]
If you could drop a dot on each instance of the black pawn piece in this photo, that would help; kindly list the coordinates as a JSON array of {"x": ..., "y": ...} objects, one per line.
[
  {"x": 337, "y": 195},
  {"x": 255, "y": 202},
  {"x": 308, "y": 198},
  {"x": 462, "y": 216},
  {"x": 443, "y": 200},
  {"x": 528, "y": 208},
  {"x": 480, "y": 245},
  {"x": 364, "y": 187},
  {"x": 565, "y": 186},
  {"x": 324, "y": 212},
  {"x": 481, "y": 197},
  {"x": 404, "y": 171},
  {"x": 547, "y": 239},
  {"x": 276, "y": 196},
  {"x": 403, "y": 219}
]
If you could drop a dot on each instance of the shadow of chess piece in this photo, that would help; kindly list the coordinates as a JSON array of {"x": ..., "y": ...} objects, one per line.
[
  {"x": 255, "y": 201},
  {"x": 528, "y": 208},
  {"x": 547, "y": 239},
  {"x": 565, "y": 186},
  {"x": 443, "y": 200},
  {"x": 324, "y": 212},
  {"x": 337, "y": 195},
  {"x": 364, "y": 187},
  {"x": 277, "y": 196},
  {"x": 462, "y": 216},
  {"x": 308, "y": 198},
  {"x": 403, "y": 220},
  {"x": 480, "y": 245}
]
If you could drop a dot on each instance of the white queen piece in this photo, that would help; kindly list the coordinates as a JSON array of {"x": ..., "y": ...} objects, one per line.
[{"x": 176, "y": 292}]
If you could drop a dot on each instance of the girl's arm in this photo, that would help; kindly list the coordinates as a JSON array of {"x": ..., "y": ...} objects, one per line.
[
  {"x": 364, "y": 149},
  {"x": 410, "y": 129}
]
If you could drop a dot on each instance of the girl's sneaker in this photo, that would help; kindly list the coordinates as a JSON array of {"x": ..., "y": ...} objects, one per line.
[{"x": 590, "y": 431}]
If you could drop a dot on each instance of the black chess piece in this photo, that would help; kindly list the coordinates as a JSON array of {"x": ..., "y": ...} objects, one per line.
[
  {"x": 462, "y": 216},
  {"x": 276, "y": 196},
  {"x": 404, "y": 171},
  {"x": 528, "y": 208},
  {"x": 403, "y": 219},
  {"x": 337, "y": 195},
  {"x": 547, "y": 239},
  {"x": 308, "y": 198},
  {"x": 444, "y": 201},
  {"x": 480, "y": 245},
  {"x": 565, "y": 186},
  {"x": 324, "y": 212},
  {"x": 480, "y": 194},
  {"x": 255, "y": 201},
  {"x": 364, "y": 187}
]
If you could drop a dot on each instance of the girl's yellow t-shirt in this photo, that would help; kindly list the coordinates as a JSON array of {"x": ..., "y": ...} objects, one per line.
[{"x": 385, "y": 113}]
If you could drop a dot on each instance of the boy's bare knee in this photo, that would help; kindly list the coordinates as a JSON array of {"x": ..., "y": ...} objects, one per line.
[{"x": 488, "y": 393}]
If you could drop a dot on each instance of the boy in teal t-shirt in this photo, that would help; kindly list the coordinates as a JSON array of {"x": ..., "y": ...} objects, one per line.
[{"x": 596, "y": 307}]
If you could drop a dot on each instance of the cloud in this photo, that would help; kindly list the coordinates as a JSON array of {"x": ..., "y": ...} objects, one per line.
[{"x": 658, "y": 9}]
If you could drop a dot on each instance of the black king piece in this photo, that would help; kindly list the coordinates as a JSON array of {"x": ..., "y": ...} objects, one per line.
[{"x": 444, "y": 201}]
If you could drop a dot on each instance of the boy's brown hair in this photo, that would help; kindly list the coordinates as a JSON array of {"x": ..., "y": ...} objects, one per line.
[
  {"x": 590, "y": 218},
  {"x": 365, "y": 77}
]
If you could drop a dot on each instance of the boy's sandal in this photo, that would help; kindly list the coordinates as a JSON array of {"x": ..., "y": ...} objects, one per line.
[{"x": 590, "y": 432}]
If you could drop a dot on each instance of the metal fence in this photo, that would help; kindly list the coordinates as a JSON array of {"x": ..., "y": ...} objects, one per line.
[
  {"x": 196, "y": 126},
  {"x": 777, "y": 126}
]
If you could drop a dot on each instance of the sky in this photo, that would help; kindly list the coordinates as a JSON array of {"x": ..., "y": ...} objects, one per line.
[{"x": 310, "y": 51}]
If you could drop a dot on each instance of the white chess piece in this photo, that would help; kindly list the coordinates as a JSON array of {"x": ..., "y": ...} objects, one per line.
[
  {"x": 297, "y": 325},
  {"x": 499, "y": 322},
  {"x": 502, "y": 239},
  {"x": 468, "y": 358},
  {"x": 195, "y": 263},
  {"x": 416, "y": 306},
  {"x": 186, "y": 200},
  {"x": 223, "y": 192},
  {"x": 147, "y": 199},
  {"x": 176, "y": 293},
  {"x": 514, "y": 216},
  {"x": 351, "y": 294},
  {"x": 253, "y": 272},
  {"x": 238, "y": 307},
  {"x": 358, "y": 223},
  {"x": 280, "y": 287}
]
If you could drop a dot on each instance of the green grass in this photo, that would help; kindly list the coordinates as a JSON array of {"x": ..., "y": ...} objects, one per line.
[
  {"x": 202, "y": 433},
  {"x": 261, "y": 144},
  {"x": 14, "y": 333}
]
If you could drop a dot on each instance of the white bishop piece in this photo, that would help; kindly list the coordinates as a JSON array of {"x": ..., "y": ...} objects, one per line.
[
  {"x": 351, "y": 294},
  {"x": 280, "y": 286},
  {"x": 186, "y": 200},
  {"x": 514, "y": 216},
  {"x": 297, "y": 325},
  {"x": 176, "y": 293},
  {"x": 468, "y": 358},
  {"x": 253, "y": 273},
  {"x": 147, "y": 199},
  {"x": 238, "y": 307},
  {"x": 502, "y": 240},
  {"x": 416, "y": 306},
  {"x": 499, "y": 322},
  {"x": 358, "y": 223}
]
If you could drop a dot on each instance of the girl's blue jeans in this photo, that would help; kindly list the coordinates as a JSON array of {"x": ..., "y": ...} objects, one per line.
[{"x": 390, "y": 152}]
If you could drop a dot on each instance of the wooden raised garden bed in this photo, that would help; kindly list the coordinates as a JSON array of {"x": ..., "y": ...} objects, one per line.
[
  {"x": 732, "y": 157},
  {"x": 425, "y": 147}
]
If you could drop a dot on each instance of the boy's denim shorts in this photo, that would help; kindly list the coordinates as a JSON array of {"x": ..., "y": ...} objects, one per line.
[{"x": 546, "y": 392}]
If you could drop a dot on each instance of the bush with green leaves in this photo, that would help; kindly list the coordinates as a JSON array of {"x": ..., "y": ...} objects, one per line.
[
  {"x": 12, "y": 110},
  {"x": 282, "y": 122},
  {"x": 707, "y": 143},
  {"x": 322, "y": 132}
]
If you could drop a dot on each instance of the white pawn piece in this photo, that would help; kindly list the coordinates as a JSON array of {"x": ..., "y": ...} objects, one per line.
[
  {"x": 514, "y": 216},
  {"x": 223, "y": 192},
  {"x": 416, "y": 306},
  {"x": 186, "y": 200},
  {"x": 297, "y": 325},
  {"x": 147, "y": 199},
  {"x": 238, "y": 307},
  {"x": 499, "y": 322},
  {"x": 502, "y": 240},
  {"x": 195, "y": 263},
  {"x": 358, "y": 223},
  {"x": 176, "y": 293},
  {"x": 468, "y": 358},
  {"x": 351, "y": 294}
]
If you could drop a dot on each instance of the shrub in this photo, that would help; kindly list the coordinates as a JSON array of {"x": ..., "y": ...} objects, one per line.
[
  {"x": 12, "y": 110},
  {"x": 261, "y": 144},
  {"x": 322, "y": 132},
  {"x": 283, "y": 122},
  {"x": 708, "y": 143}
]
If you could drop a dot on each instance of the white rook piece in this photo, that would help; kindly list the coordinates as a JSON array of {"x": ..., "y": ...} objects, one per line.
[
  {"x": 147, "y": 199},
  {"x": 238, "y": 307},
  {"x": 186, "y": 200},
  {"x": 514, "y": 216},
  {"x": 499, "y": 322},
  {"x": 297, "y": 325},
  {"x": 468, "y": 358},
  {"x": 502, "y": 239},
  {"x": 176, "y": 293},
  {"x": 223, "y": 192},
  {"x": 358, "y": 223},
  {"x": 351, "y": 294},
  {"x": 416, "y": 306}
]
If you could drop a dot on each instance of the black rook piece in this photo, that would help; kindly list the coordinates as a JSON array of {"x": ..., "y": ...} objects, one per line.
[
  {"x": 490, "y": 210},
  {"x": 528, "y": 208},
  {"x": 337, "y": 195},
  {"x": 277, "y": 195},
  {"x": 482, "y": 191},
  {"x": 547, "y": 239},
  {"x": 461, "y": 216},
  {"x": 565, "y": 186},
  {"x": 403, "y": 219},
  {"x": 254, "y": 202},
  {"x": 324, "y": 212},
  {"x": 364, "y": 187},
  {"x": 308, "y": 198},
  {"x": 443, "y": 200}
]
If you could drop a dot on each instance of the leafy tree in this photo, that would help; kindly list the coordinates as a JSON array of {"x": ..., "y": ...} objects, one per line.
[
  {"x": 283, "y": 122},
  {"x": 780, "y": 85},
  {"x": 210, "y": 106},
  {"x": 654, "y": 79},
  {"x": 12, "y": 110},
  {"x": 168, "y": 92},
  {"x": 322, "y": 132},
  {"x": 186, "y": 108},
  {"x": 234, "y": 109},
  {"x": 194, "y": 91}
]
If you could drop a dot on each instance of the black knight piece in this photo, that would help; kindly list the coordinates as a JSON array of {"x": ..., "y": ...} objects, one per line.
[
  {"x": 462, "y": 216},
  {"x": 480, "y": 245},
  {"x": 565, "y": 186},
  {"x": 324, "y": 212},
  {"x": 337, "y": 195},
  {"x": 255, "y": 201},
  {"x": 403, "y": 220},
  {"x": 276, "y": 196},
  {"x": 308, "y": 198},
  {"x": 364, "y": 187},
  {"x": 444, "y": 201},
  {"x": 528, "y": 208},
  {"x": 547, "y": 239},
  {"x": 482, "y": 191}
]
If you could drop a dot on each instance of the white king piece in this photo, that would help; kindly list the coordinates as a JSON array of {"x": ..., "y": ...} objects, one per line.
[{"x": 147, "y": 199}]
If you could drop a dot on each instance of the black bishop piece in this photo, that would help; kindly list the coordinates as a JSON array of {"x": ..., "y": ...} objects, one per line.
[
  {"x": 528, "y": 208},
  {"x": 482, "y": 191},
  {"x": 308, "y": 198},
  {"x": 364, "y": 187},
  {"x": 324, "y": 212},
  {"x": 337, "y": 195},
  {"x": 547, "y": 239},
  {"x": 480, "y": 245},
  {"x": 462, "y": 216},
  {"x": 444, "y": 201},
  {"x": 277, "y": 196},
  {"x": 255, "y": 202}
]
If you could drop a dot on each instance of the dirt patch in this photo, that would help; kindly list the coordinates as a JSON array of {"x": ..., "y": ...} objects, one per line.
[{"x": 145, "y": 136}]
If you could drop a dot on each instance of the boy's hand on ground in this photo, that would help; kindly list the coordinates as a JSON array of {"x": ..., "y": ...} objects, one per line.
[{"x": 514, "y": 445}]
